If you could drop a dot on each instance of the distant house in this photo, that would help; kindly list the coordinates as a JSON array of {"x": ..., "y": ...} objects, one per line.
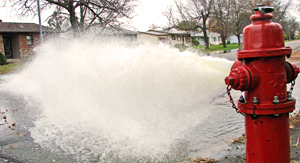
[
  {"x": 122, "y": 33},
  {"x": 17, "y": 40},
  {"x": 173, "y": 37},
  {"x": 234, "y": 39},
  {"x": 213, "y": 38},
  {"x": 104, "y": 33}
]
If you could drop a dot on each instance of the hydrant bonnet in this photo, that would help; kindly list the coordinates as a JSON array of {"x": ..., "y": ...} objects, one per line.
[{"x": 263, "y": 38}]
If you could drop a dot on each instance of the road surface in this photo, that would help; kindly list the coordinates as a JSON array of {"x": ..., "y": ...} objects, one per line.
[{"x": 295, "y": 45}]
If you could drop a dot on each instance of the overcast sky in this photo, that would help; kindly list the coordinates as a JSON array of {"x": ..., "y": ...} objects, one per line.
[{"x": 148, "y": 12}]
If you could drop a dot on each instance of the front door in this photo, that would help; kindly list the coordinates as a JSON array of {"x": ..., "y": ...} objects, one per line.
[{"x": 7, "y": 47}]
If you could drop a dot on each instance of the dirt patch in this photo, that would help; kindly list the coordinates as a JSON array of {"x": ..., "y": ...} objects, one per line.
[
  {"x": 295, "y": 55},
  {"x": 295, "y": 58},
  {"x": 295, "y": 136},
  {"x": 202, "y": 160}
]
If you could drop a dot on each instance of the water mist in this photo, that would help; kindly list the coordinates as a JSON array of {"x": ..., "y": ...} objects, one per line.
[{"x": 107, "y": 100}]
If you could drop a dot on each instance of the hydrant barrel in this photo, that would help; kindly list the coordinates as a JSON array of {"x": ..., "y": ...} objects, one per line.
[{"x": 262, "y": 73}]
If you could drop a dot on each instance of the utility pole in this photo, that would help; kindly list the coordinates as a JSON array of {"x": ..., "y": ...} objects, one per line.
[{"x": 40, "y": 23}]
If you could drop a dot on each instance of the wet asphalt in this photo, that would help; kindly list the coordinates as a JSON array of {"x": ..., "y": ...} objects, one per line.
[{"x": 17, "y": 146}]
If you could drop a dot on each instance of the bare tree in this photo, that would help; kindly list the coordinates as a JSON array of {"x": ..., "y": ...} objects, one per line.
[
  {"x": 84, "y": 13},
  {"x": 240, "y": 18},
  {"x": 242, "y": 10},
  {"x": 280, "y": 7},
  {"x": 290, "y": 26},
  {"x": 280, "y": 10},
  {"x": 153, "y": 26},
  {"x": 221, "y": 17},
  {"x": 58, "y": 19},
  {"x": 196, "y": 11}
]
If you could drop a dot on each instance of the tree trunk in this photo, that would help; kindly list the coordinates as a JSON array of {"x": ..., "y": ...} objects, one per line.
[
  {"x": 239, "y": 39},
  {"x": 204, "y": 29},
  {"x": 206, "y": 40},
  {"x": 73, "y": 20},
  {"x": 223, "y": 39}
]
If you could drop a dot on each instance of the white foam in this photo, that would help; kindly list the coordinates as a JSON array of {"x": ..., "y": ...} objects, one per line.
[{"x": 108, "y": 99}]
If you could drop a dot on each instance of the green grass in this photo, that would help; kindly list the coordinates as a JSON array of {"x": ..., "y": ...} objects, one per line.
[
  {"x": 217, "y": 47},
  {"x": 10, "y": 67}
]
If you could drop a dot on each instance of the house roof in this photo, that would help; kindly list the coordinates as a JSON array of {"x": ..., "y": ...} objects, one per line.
[
  {"x": 111, "y": 31},
  {"x": 175, "y": 31},
  {"x": 209, "y": 34},
  {"x": 165, "y": 32},
  {"x": 22, "y": 27},
  {"x": 198, "y": 34},
  {"x": 155, "y": 33}
]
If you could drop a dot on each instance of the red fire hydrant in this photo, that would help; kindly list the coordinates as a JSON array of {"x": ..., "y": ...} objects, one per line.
[{"x": 262, "y": 72}]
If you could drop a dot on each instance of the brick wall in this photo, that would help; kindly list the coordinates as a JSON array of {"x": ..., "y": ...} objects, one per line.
[{"x": 27, "y": 50}]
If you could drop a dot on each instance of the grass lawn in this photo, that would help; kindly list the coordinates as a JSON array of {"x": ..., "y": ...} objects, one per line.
[
  {"x": 217, "y": 47},
  {"x": 9, "y": 67}
]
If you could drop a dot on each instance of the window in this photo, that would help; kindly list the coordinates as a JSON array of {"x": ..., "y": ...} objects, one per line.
[
  {"x": 215, "y": 38},
  {"x": 173, "y": 37},
  {"x": 178, "y": 38},
  {"x": 29, "y": 40}
]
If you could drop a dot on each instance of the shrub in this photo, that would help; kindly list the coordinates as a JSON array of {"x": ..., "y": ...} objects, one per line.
[
  {"x": 2, "y": 59},
  {"x": 195, "y": 42}
]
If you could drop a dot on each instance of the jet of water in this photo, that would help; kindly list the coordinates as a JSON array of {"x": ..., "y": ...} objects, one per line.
[{"x": 110, "y": 100}]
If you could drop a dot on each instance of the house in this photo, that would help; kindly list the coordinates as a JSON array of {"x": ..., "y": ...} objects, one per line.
[
  {"x": 105, "y": 34},
  {"x": 172, "y": 37},
  {"x": 17, "y": 40},
  {"x": 234, "y": 39},
  {"x": 213, "y": 38},
  {"x": 127, "y": 35}
]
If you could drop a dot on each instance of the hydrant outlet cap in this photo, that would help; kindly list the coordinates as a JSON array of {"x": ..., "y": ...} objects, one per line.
[
  {"x": 239, "y": 78},
  {"x": 229, "y": 80}
]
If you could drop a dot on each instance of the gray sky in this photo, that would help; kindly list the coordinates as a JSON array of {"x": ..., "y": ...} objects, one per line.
[{"x": 147, "y": 13}]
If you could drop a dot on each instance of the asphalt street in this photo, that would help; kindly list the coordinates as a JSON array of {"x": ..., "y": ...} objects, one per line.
[
  {"x": 17, "y": 146},
  {"x": 295, "y": 45}
]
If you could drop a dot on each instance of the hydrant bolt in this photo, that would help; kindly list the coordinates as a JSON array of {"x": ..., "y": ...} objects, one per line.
[
  {"x": 289, "y": 96},
  {"x": 255, "y": 101},
  {"x": 276, "y": 101},
  {"x": 242, "y": 100}
]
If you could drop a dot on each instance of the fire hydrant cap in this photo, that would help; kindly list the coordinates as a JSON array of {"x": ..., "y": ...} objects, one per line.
[
  {"x": 239, "y": 78},
  {"x": 262, "y": 12},
  {"x": 229, "y": 80},
  {"x": 263, "y": 38},
  {"x": 258, "y": 16}
]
